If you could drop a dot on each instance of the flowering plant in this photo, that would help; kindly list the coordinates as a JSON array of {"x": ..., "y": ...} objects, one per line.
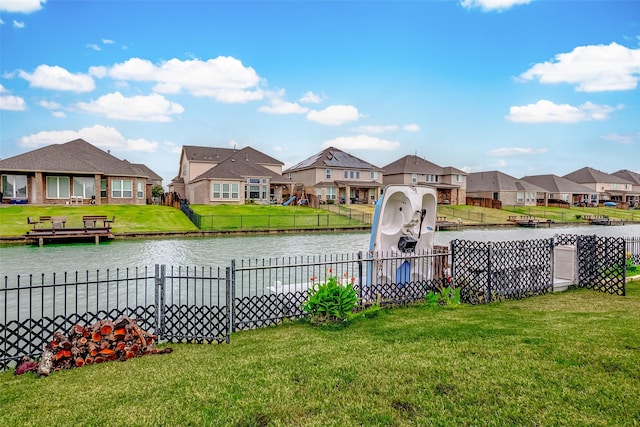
[{"x": 332, "y": 301}]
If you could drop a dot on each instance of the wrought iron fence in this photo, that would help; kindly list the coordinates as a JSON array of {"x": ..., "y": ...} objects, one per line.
[
  {"x": 189, "y": 304},
  {"x": 633, "y": 248}
]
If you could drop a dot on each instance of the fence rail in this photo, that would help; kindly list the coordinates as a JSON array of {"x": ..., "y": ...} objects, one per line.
[{"x": 207, "y": 304}]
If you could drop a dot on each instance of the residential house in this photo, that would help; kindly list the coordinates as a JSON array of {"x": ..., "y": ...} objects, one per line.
[
  {"x": 495, "y": 185},
  {"x": 449, "y": 182},
  {"x": 633, "y": 198},
  {"x": 73, "y": 173},
  {"x": 562, "y": 191},
  {"x": 213, "y": 175},
  {"x": 609, "y": 187},
  {"x": 335, "y": 176}
]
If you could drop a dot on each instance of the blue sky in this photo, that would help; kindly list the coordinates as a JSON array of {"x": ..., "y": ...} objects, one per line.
[{"x": 522, "y": 86}]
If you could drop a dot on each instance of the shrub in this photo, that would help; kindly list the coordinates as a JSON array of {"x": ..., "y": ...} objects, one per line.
[
  {"x": 446, "y": 296},
  {"x": 330, "y": 302}
]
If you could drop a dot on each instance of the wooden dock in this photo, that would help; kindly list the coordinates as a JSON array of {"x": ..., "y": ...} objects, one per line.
[
  {"x": 524, "y": 220},
  {"x": 443, "y": 224},
  {"x": 48, "y": 228},
  {"x": 602, "y": 220}
]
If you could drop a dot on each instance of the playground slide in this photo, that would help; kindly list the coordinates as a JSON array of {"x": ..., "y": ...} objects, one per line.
[{"x": 288, "y": 202}]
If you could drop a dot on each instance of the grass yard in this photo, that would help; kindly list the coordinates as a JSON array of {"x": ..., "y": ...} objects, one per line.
[
  {"x": 129, "y": 218},
  {"x": 563, "y": 359},
  {"x": 231, "y": 217}
]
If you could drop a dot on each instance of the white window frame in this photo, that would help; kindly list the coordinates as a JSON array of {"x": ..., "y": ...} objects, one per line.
[
  {"x": 12, "y": 180},
  {"x": 140, "y": 189},
  {"x": 520, "y": 197},
  {"x": 373, "y": 175},
  {"x": 81, "y": 189},
  {"x": 332, "y": 193},
  {"x": 62, "y": 188},
  {"x": 327, "y": 173},
  {"x": 414, "y": 178},
  {"x": 119, "y": 188},
  {"x": 225, "y": 191}
]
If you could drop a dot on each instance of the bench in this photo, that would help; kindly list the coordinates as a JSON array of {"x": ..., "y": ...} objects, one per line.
[
  {"x": 91, "y": 221},
  {"x": 56, "y": 221}
]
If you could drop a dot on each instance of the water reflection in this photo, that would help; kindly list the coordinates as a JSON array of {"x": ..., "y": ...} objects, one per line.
[{"x": 219, "y": 251}]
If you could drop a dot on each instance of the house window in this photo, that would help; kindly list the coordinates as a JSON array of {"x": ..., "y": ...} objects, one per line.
[
  {"x": 520, "y": 197},
  {"x": 14, "y": 186},
  {"x": 103, "y": 188},
  {"x": 357, "y": 174},
  {"x": 319, "y": 192},
  {"x": 345, "y": 175},
  {"x": 290, "y": 176},
  {"x": 327, "y": 173},
  {"x": 140, "y": 189},
  {"x": 225, "y": 190},
  {"x": 373, "y": 175},
  {"x": 57, "y": 187},
  {"x": 256, "y": 189},
  {"x": 458, "y": 178},
  {"x": 414, "y": 177},
  {"x": 121, "y": 188},
  {"x": 431, "y": 178},
  {"x": 332, "y": 193},
  {"x": 83, "y": 187}
]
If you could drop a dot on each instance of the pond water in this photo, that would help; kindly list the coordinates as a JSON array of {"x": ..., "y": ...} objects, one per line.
[{"x": 219, "y": 251}]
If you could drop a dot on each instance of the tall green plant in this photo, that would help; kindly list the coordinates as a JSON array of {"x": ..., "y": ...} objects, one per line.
[{"x": 330, "y": 302}]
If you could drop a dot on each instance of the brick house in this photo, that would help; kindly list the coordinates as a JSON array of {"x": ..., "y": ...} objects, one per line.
[
  {"x": 449, "y": 182},
  {"x": 609, "y": 187},
  {"x": 213, "y": 175},
  {"x": 496, "y": 185},
  {"x": 632, "y": 198},
  {"x": 335, "y": 176},
  {"x": 75, "y": 172},
  {"x": 563, "y": 190}
]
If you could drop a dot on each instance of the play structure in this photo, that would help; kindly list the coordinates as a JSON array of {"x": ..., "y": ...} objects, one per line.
[{"x": 403, "y": 225}]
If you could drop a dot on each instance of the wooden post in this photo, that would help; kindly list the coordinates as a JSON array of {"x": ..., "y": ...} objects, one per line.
[{"x": 40, "y": 241}]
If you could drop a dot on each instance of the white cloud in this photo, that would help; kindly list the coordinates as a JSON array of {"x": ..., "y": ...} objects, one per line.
[
  {"x": 107, "y": 41},
  {"x": 58, "y": 114},
  {"x": 100, "y": 136},
  {"x": 490, "y": 5},
  {"x": 21, "y": 6},
  {"x": 57, "y": 78},
  {"x": 50, "y": 105},
  {"x": 18, "y": 24},
  {"x": 279, "y": 106},
  {"x": 152, "y": 108},
  {"x": 594, "y": 68},
  {"x": 515, "y": 151},
  {"x": 12, "y": 103},
  {"x": 361, "y": 142},
  {"x": 334, "y": 115},
  {"x": 545, "y": 111},
  {"x": 94, "y": 46},
  {"x": 311, "y": 98},
  {"x": 224, "y": 79},
  {"x": 633, "y": 138},
  {"x": 411, "y": 128}
]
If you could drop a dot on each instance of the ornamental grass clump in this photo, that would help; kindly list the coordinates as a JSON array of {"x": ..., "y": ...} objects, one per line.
[{"x": 331, "y": 303}]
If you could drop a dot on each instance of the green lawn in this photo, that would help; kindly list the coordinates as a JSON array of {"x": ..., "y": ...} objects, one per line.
[
  {"x": 129, "y": 218},
  {"x": 231, "y": 217},
  {"x": 563, "y": 359}
]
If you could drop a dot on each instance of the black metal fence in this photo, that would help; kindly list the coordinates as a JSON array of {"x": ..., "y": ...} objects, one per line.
[{"x": 189, "y": 304}]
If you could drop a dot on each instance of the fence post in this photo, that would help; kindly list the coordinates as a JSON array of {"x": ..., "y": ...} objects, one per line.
[
  {"x": 160, "y": 282},
  {"x": 229, "y": 299},
  {"x": 360, "y": 273},
  {"x": 489, "y": 272}
]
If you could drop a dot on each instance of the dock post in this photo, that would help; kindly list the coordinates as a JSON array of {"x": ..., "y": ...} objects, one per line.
[
  {"x": 40, "y": 241},
  {"x": 97, "y": 239}
]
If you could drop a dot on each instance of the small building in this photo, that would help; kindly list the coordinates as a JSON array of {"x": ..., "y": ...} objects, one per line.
[
  {"x": 75, "y": 172},
  {"x": 609, "y": 187},
  {"x": 335, "y": 176},
  {"x": 213, "y": 175},
  {"x": 449, "y": 182},
  {"x": 498, "y": 186},
  {"x": 562, "y": 191}
]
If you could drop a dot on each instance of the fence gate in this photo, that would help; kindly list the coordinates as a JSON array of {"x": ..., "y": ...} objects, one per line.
[
  {"x": 601, "y": 264},
  {"x": 489, "y": 271},
  {"x": 193, "y": 304}
]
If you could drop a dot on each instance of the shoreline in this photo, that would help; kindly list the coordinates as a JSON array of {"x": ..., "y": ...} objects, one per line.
[{"x": 15, "y": 240}]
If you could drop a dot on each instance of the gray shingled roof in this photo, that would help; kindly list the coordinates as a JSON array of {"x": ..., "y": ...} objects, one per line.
[
  {"x": 496, "y": 181},
  {"x": 332, "y": 158},
  {"x": 239, "y": 167},
  {"x": 557, "y": 184},
  {"x": 218, "y": 155},
  {"x": 77, "y": 156},
  {"x": 415, "y": 164},
  {"x": 628, "y": 175},
  {"x": 589, "y": 175}
]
